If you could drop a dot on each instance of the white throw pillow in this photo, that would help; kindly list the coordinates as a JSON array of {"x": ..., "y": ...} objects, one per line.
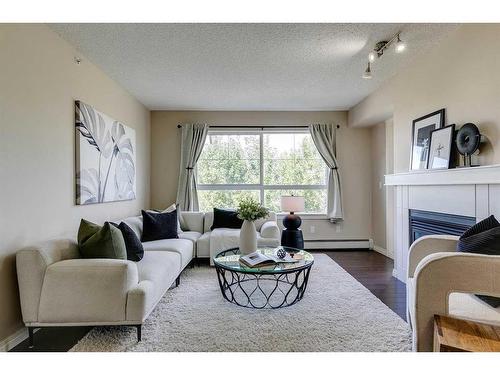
[
  {"x": 269, "y": 230},
  {"x": 174, "y": 207}
]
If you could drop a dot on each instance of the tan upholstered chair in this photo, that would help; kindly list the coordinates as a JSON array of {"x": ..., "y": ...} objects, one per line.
[{"x": 442, "y": 281}]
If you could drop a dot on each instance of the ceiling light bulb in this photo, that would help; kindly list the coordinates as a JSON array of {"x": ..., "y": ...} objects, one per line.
[
  {"x": 400, "y": 46},
  {"x": 372, "y": 56},
  {"x": 368, "y": 72}
]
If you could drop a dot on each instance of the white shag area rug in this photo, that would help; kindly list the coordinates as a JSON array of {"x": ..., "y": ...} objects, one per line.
[{"x": 337, "y": 313}]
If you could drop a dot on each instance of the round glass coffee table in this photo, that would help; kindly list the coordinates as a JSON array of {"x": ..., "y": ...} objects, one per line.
[{"x": 271, "y": 287}]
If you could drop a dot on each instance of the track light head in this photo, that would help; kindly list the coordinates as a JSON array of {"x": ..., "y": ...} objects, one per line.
[
  {"x": 400, "y": 46},
  {"x": 368, "y": 72},
  {"x": 372, "y": 56}
]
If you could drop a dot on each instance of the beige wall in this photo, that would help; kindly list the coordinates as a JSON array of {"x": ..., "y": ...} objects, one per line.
[
  {"x": 353, "y": 157},
  {"x": 389, "y": 190},
  {"x": 378, "y": 190},
  {"x": 460, "y": 74},
  {"x": 38, "y": 83}
]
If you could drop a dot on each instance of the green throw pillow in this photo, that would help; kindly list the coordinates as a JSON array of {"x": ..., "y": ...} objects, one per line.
[{"x": 95, "y": 241}]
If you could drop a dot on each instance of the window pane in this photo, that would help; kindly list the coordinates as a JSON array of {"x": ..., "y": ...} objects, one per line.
[
  {"x": 315, "y": 199},
  {"x": 292, "y": 159},
  {"x": 209, "y": 199},
  {"x": 230, "y": 159}
]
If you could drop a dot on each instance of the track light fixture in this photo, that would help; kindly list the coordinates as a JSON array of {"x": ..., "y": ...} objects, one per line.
[{"x": 380, "y": 48}]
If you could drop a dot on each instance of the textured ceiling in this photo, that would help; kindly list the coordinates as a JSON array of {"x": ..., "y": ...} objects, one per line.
[{"x": 247, "y": 66}]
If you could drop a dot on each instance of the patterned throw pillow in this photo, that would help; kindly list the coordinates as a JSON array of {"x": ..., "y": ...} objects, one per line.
[
  {"x": 95, "y": 241},
  {"x": 482, "y": 238}
]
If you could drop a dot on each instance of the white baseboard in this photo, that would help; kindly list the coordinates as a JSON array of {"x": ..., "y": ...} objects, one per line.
[
  {"x": 13, "y": 340},
  {"x": 336, "y": 244},
  {"x": 381, "y": 250}
]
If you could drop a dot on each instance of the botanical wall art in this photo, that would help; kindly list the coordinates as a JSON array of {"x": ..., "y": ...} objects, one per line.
[
  {"x": 421, "y": 133},
  {"x": 105, "y": 157}
]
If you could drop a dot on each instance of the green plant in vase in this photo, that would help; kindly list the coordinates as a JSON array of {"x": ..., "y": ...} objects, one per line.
[{"x": 250, "y": 210}]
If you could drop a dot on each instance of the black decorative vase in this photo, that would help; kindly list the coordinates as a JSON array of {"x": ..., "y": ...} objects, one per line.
[{"x": 292, "y": 235}]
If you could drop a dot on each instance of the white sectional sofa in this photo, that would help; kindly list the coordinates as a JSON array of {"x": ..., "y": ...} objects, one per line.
[{"x": 58, "y": 288}]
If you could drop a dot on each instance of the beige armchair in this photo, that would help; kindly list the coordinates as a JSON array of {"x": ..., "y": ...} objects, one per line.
[{"x": 442, "y": 281}]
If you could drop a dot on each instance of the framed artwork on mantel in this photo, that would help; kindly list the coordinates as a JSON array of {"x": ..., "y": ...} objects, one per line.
[
  {"x": 421, "y": 138},
  {"x": 440, "y": 148}
]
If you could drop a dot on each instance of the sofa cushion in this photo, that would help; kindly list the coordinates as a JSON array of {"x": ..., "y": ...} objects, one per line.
[
  {"x": 95, "y": 241},
  {"x": 161, "y": 268},
  {"x": 226, "y": 219},
  {"x": 270, "y": 229},
  {"x": 192, "y": 221},
  {"x": 266, "y": 241},
  {"x": 159, "y": 226},
  {"x": 183, "y": 247},
  {"x": 203, "y": 245},
  {"x": 135, "y": 250},
  {"x": 482, "y": 238},
  {"x": 260, "y": 222},
  {"x": 190, "y": 235}
]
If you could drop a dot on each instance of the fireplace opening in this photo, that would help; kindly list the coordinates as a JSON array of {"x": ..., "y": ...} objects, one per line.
[{"x": 424, "y": 223}]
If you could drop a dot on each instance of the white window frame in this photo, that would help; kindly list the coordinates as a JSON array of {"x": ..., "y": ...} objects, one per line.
[{"x": 261, "y": 187}]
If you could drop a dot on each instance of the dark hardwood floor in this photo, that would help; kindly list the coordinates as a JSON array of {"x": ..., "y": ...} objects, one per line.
[
  {"x": 374, "y": 271},
  {"x": 370, "y": 268}
]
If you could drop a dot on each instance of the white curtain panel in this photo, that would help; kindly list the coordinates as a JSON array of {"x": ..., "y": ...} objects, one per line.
[
  {"x": 193, "y": 140},
  {"x": 324, "y": 137}
]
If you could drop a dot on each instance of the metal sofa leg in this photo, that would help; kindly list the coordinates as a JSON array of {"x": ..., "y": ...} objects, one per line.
[
  {"x": 30, "y": 337},
  {"x": 139, "y": 332},
  {"x": 178, "y": 280}
]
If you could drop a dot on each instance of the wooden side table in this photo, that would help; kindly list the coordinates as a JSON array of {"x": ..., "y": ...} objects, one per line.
[{"x": 457, "y": 335}]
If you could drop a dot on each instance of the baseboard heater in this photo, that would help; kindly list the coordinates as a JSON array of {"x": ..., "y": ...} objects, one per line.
[{"x": 337, "y": 244}]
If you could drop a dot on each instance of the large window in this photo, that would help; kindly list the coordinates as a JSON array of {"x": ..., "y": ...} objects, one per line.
[{"x": 261, "y": 164}]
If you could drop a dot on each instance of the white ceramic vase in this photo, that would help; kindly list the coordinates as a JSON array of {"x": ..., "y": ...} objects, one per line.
[{"x": 248, "y": 238}]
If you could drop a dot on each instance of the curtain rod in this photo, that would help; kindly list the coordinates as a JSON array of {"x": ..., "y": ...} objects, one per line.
[{"x": 257, "y": 127}]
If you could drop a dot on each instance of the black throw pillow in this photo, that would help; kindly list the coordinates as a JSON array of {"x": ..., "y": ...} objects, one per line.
[
  {"x": 226, "y": 219},
  {"x": 482, "y": 238},
  {"x": 159, "y": 226},
  {"x": 135, "y": 250}
]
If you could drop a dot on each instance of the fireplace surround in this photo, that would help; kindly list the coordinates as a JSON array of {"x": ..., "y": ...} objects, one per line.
[{"x": 437, "y": 202}]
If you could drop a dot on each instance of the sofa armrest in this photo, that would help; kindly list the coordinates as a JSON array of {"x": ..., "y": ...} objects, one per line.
[
  {"x": 31, "y": 264},
  {"x": 438, "y": 275},
  {"x": 427, "y": 245},
  {"x": 270, "y": 229},
  {"x": 86, "y": 290},
  {"x": 140, "y": 301}
]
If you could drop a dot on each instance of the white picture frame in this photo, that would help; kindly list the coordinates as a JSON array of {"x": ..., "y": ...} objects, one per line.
[{"x": 440, "y": 148}]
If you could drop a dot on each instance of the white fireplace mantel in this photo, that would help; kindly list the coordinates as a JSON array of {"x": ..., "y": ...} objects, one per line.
[
  {"x": 472, "y": 192},
  {"x": 484, "y": 175}
]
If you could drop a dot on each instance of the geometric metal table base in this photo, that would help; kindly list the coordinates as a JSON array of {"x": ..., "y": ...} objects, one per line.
[{"x": 262, "y": 290}]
